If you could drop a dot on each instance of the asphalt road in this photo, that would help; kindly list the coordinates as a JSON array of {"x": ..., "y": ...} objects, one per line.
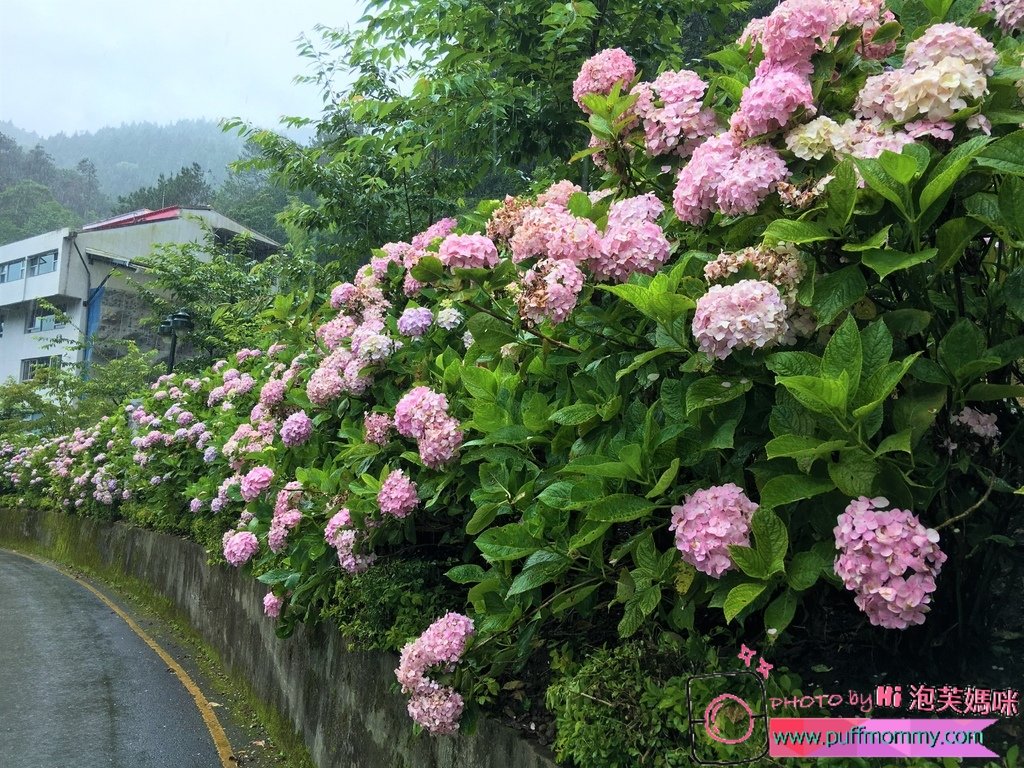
[{"x": 79, "y": 689}]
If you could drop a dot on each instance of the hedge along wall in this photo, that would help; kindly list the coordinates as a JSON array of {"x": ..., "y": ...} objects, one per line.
[{"x": 342, "y": 703}]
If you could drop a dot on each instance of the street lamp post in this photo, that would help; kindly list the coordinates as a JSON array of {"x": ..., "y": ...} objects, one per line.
[{"x": 172, "y": 325}]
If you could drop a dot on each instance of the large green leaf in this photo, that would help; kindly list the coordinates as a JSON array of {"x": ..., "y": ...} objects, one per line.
[
  {"x": 796, "y": 232},
  {"x": 771, "y": 539},
  {"x": 842, "y": 196},
  {"x": 508, "y": 542},
  {"x": 785, "y": 489},
  {"x": 1005, "y": 155},
  {"x": 885, "y": 262},
  {"x": 714, "y": 390},
  {"x": 827, "y": 396},
  {"x": 740, "y": 597},
  {"x": 620, "y": 508},
  {"x": 844, "y": 352},
  {"x": 837, "y": 291}
]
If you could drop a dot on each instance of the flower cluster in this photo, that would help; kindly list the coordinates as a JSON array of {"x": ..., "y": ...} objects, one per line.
[
  {"x": 239, "y": 547},
  {"x": 980, "y": 424},
  {"x": 708, "y": 522},
  {"x": 296, "y": 429},
  {"x": 674, "y": 118},
  {"x": 632, "y": 242},
  {"x": 601, "y": 72},
  {"x": 377, "y": 427},
  {"x": 256, "y": 482},
  {"x": 550, "y": 291},
  {"x": 345, "y": 539},
  {"x": 744, "y": 315},
  {"x": 889, "y": 559},
  {"x": 436, "y": 707},
  {"x": 397, "y": 496},
  {"x": 422, "y": 414},
  {"x": 465, "y": 251}
]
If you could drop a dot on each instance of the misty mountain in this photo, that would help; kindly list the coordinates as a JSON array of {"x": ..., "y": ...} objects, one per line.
[{"x": 134, "y": 155}]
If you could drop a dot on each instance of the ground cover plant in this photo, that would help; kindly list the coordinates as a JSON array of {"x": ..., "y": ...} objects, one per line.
[{"x": 760, "y": 387}]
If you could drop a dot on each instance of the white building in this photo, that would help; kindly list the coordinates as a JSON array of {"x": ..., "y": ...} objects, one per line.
[{"x": 71, "y": 270}]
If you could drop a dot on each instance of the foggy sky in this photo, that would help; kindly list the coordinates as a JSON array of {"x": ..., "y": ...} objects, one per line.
[{"x": 70, "y": 65}]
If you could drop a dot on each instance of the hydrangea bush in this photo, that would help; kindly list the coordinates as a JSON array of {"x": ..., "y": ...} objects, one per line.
[{"x": 777, "y": 353}]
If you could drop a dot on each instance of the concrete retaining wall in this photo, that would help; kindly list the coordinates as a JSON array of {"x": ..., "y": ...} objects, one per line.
[{"x": 341, "y": 702}]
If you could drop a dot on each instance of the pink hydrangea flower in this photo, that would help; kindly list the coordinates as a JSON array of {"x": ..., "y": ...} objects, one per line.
[
  {"x": 415, "y": 321},
  {"x": 441, "y": 645},
  {"x": 468, "y": 251},
  {"x": 296, "y": 429},
  {"x": 747, "y": 314},
  {"x": 558, "y": 194},
  {"x": 256, "y": 482},
  {"x": 239, "y": 547},
  {"x": 552, "y": 232},
  {"x": 550, "y": 291},
  {"x": 1009, "y": 14},
  {"x": 345, "y": 540},
  {"x": 601, "y": 72},
  {"x": 942, "y": 40},
  {"x": 772, "y": 98},
  {"x": 272, "y": 605},
  {"x": 889, "y": 560},
  {"x": 981, "y": 424},
  {"x": 377, "y": 426},
  {"x": 397, "y": 496},
  {"x": 439, "y": 229},
  {"x": 708, "y": 522},
  {"x": 418, "y": 408},
  {"x": 796, "y": 29},
  {"x": 437, "y": 709},
  {"x": 440, "y": 442},
  {"x": 631, "y": 243},
  {"x": 674, "y": 118}
]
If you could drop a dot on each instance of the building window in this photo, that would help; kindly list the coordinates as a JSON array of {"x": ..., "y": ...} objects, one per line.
[
  {"x": 3, "y": 319},
  {"x": 42, "y": 263},
  {"x": 12, "y": 270},
  {"x": 44, "y": 318},
  {"x": 29, "y": 365}
]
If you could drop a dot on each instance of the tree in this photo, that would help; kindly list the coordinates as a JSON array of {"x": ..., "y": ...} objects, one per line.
[
  {"x": 187, "y": 187},
  {"x": 490, "y": 103},
  {"x": 251, "y": 197},
  {"x": 27, "y": 208}
]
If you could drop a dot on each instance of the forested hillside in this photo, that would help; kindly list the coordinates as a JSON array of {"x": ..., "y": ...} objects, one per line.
[{"x": 134, "y": 155}]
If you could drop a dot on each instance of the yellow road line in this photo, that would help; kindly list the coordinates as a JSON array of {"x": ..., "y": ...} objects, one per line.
[{"x": 220, "y": 739}]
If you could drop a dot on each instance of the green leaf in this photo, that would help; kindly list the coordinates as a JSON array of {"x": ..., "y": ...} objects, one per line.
[
  {"x": 876, "y": 343},
  {"x": 785, "y": 489},
  {"x": 827, "y": 396},
  {"x": 854, "y": 473},
  {"x": 428, "y": 269},
  {"x": 796, "y": 232},
  {"x": 538, "y": 573},
  {"x": 714, "y": 390},
  {"x": 900, "y": 442},
  {"x": 780, "y": 611},
  {"x": 907, "y": 322},
  {"x": 844, "y": 353},
  {"x": 801, "y": 447},
  {"x": 509, "y": 542},
  {"x": 740, "y": 597},
  {"x": 638, "y": 608},
  {"x": 770, "y": 538},
  {"x": 878, "y": 240},
  {"x": 620, "y": 508},
  {"x": 794, "y": 364},
  {"x": 479, "y": 382},
  {"x": 842, "y": 195},
  {"x": 1005, "y": 155},
  {"x": 882, "y": 182},
  {"x": 574, "y": 415},
  {"x": 588, "y": 533},
  {"x": 885, "y": 262},
  {"x": 579, "y": 204},
  {"x": 980, "y": 392},
  {"x": 962, "y": 344},
  {"x": 482, "y": 518},
  {"x": 837, "y": 291},
  {"x": 666, "y": 479},
  {"x": 749, "y": 561},
  {"x": 489, "y": 333},
  {"x": 558, "y": 495},
  {"x": 466, "y": 574},
  {"x": 880, "y": 385},
  {"x": 804, "y": 570}
]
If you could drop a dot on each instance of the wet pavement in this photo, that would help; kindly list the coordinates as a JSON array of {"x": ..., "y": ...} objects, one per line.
[{"x": 79, "y": 689}]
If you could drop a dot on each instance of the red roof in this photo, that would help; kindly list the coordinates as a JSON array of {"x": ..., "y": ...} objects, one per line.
[{"x": 142, "y": 216}]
